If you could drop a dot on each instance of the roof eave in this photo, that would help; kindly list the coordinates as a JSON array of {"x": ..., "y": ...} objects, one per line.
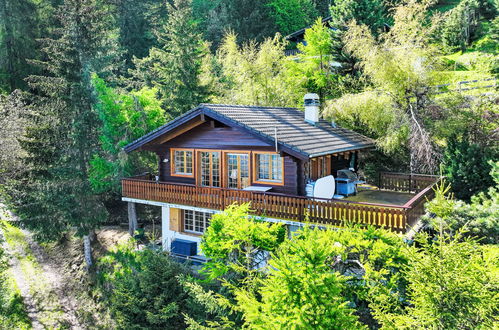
[
  {"x": 138, "y": 143},
  {"x": 335, "y": 151}
]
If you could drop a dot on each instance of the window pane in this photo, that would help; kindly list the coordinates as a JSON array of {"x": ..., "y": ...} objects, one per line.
[
  {"x": 196, "y": 221},
  {"x": 269, "y": 167},
  {"x": 179, "y": 161},
  {"x": 215, "y": 169},
  {"x": 244, "y": 162},
  {"x": 276, "y": 167},
  {"x": 182, "y": 162},
  {"x": 188, "y": 164},
  {"x": 263, "y": 166}
]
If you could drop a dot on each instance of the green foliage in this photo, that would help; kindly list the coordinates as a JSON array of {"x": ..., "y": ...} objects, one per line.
[
  {"x": 13, "y": 313},
  {"x": 451, "y": 286},
  {"x": 137, "y": 21},
  {"x": 124, "y": 118},
  {"x": 400, "y": 65},
  {"x": 314, "y": 68},
  {"x": 460, "y": 25},
  {"x": 292, "y": 15},
  {"x": 53, "y": 192},
  {"x": 300, "y": 291},
  {"x": 478, "y": 219},
  {"x": 13, "y": 125},
  {"x": 466, "y": 167},
  {"x": 254, "y": 74},
  {"x": 175, "y": 66},
  {"x": 373, "y": 114},
  {"x": 18, "y": 32},
  {"x": 143, "y": 288},
  {"x": 372, "y": 13},
  {"x": 249, "y": 20},
  {"x": 237, "y": 243}
]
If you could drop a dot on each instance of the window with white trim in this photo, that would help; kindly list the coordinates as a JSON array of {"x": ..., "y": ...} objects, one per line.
[{"x": 196, "y": 222}]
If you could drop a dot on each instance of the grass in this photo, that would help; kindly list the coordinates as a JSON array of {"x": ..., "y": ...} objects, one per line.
[
  {"x": 13, "y": 314},
  {"x": 45, "y": 299}
]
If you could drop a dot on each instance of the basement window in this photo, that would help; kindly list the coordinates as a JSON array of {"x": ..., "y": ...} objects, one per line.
[{"x": 196, "y": 222}]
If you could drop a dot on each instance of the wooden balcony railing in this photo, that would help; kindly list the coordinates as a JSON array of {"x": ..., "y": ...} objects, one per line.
[
  {"x": 286, "y": 207},
  {"x": 405, "y": 182}
]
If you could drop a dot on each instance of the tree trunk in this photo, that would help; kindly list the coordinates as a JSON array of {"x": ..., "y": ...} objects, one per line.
[
  {"x": 132, "y": 218},
  {"x": 87, "y": 248}
]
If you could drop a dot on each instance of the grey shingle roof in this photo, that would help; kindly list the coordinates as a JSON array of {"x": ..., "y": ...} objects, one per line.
[
  {"x": 293, "y": 133},
  {"x": 292, "y": 130}
]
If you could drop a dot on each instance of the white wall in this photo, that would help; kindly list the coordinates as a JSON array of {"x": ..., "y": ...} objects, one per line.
[{"x": 168, "y": 235}]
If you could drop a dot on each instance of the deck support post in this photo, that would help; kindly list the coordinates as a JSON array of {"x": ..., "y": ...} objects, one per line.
[{"x": 132, "y": 218}]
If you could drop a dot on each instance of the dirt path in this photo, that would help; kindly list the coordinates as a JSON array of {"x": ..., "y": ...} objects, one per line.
[{"x": 43, "y": 287}]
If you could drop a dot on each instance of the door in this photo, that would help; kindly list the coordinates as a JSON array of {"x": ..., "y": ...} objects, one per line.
[
  {"x": 238, "y": 176},
  {"x": 209, "y": 168}
]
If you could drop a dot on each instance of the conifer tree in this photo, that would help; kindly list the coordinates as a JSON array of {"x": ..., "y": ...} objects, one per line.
[
  {"x": 175, "y": 66},
  {"x": 18, "y": 30},
  {"x": 54, "y": 193},
  {"x": 136, "y": 20}
]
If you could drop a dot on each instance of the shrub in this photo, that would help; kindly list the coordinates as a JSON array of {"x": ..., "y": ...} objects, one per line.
[
  {"x": 144, "y": 290},
  {"x": 452, "y": 285},
  {"x": 478, "y": 219},
  {"x": 466, "y": 166}
]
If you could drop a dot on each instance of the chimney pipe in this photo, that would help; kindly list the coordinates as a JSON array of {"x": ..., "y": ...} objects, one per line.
[{"x": 311, "y": 102}]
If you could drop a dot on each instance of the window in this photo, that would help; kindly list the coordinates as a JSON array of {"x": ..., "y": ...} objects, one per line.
[
  {"x": 182, "y": 160},
  {"x": 269, "y": 167},
  {"x": 237, "y": 171},
  {"x": 209, "y": 168},
  {"x": 196, "y": 222}
]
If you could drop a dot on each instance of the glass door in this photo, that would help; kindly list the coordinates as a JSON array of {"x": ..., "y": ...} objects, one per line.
[
  {"x": 238, "y": 171},
  {"x": 209, "y": 168}
]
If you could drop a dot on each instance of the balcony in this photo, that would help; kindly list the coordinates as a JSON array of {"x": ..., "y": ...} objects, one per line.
[{"x": 397, "y": 205}]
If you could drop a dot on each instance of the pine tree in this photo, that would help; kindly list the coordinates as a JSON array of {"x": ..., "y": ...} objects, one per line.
[
  {"x": 249, "y": 20},
  {"x": 54, "y": 193},
  {"x": 175, "y": 67},
  {"x": 137, "y": 20},
  {"x": 18, "y": 31}
]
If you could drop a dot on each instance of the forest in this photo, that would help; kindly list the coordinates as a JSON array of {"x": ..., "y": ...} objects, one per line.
[{"x": 80, "y": 79}]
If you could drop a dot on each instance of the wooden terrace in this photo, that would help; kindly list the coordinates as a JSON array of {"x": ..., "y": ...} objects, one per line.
[{"x": 334, "y": 212}]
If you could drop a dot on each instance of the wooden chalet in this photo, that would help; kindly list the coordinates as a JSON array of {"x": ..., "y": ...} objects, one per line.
[{"x": 217, "y": 155}]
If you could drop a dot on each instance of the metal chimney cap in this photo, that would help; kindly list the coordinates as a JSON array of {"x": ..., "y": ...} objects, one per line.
[{"x": 311, "y": 99}]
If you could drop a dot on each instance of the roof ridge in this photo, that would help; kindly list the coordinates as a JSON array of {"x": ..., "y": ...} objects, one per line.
[{"x": 245, "y": 106}]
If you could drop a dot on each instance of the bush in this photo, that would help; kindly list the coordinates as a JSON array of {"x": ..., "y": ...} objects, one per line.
[
  {"x": 466, "y": 166},
  {"x": 452, "y": 285},
  {"x": 478, "y": 219},
  {"x": 143, "y": 289}
]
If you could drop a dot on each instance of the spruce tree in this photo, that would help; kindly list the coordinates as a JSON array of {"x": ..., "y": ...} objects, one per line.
[
  {"x": 175, "y": 67},
  {"x": 18, "y": 31},
  {"x": 136, "y": 20},
  {"x": 53, "y": 194}
]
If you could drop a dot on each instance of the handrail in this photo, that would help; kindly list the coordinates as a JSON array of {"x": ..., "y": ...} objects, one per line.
[{"x": 275, "y": 194}]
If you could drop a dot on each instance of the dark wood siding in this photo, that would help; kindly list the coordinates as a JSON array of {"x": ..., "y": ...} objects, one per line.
[{"x": 223, "y": 138}]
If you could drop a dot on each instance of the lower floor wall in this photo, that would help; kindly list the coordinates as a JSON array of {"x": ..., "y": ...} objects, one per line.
[
  {"x": 173, "y": 224},
  {"x": 172, "y": 228}
]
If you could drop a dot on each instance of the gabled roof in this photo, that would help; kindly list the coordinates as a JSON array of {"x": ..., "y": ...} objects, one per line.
[{"x": 294, "y": 135}]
